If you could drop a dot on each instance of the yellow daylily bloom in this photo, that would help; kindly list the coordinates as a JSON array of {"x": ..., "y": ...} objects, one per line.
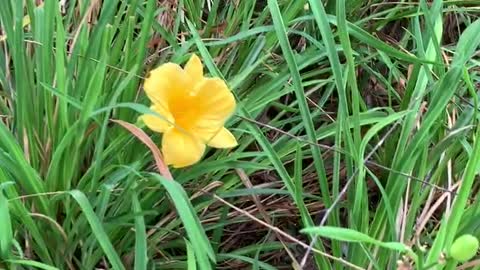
[{"x": 194, "y": 110}]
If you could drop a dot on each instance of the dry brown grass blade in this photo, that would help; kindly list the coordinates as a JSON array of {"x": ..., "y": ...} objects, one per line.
[
  {"x": 428, "y": 212},
  {"x": 145, "y": 139},
  {"x": 469, "y": 264},
  {"x": 246, "y": 181},
  {"x": 60, "y": 230},
  {"x": 94, "y": 4},
  {"x": 286, "y": 235}
]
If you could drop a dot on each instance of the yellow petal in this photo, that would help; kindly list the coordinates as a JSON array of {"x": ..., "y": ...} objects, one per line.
[
  {"x": 181, "y": 149},
  {"x": 167, "y": 82},
  {"x": 214, "y": 99},
  {"x": 223, "y": 139},
  {"x": 194, "y": 68},
  {"x": 158, "y": 124},
  {"x": 214, "y": 104}
]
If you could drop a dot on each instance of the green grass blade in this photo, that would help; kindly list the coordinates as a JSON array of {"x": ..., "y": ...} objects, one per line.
[
  {"x": 6, "y": 234},
  {"x": 192, "y": 263},
  {"x": 31, "y": 263},
  {"x": 350, "y": 235},
  {"x": 141, "y": 257},
  {"x": 300, "y": 95},
  {"x": 97, "y": 229},
  {"x": 201, "y": 244}
]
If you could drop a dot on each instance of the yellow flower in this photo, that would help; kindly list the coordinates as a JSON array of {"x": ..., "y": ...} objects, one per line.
[{"x": 194, "y": 110}]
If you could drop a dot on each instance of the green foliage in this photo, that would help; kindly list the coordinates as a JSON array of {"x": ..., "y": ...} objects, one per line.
[{"x": 380, "y": 97}]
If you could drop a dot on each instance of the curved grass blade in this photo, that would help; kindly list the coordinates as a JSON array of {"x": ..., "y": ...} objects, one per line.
[
  {"x": 200, "y": 243},
  {"x": 31, "y": 263},
  {"x": 97, "y": 229}
]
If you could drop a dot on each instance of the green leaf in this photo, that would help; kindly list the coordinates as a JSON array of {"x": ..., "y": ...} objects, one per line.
[
  {"x": 31, "y": 263},
  {"x": 349, "y": 235},
  {"x": 141, "y": 257},
  {"x": 97, "y": 229},
  {"x": 6, "y": 234},
  {"x": 192, "y": 263},
  {"x": 196, "y": 234}
]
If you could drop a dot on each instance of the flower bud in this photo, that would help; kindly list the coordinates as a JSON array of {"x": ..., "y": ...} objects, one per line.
[{"x": 464, "y": 248}]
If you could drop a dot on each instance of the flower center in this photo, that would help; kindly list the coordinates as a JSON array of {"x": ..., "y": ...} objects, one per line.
[{"x": 186, "y": 112}]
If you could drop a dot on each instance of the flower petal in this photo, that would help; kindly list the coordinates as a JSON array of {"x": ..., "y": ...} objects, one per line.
[
  {"x": 214, "y": 99},
  {"x": 214, "y": 104},
  {"x": 194, "y": 68},
  {"x": 167, "y": 82},
  {"x": 223, "y": 139},
  {"x": 181, "y": 149},
  {"x": 158, "y": 124}
]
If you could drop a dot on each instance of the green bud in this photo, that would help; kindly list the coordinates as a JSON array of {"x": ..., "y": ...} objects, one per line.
[{"x": 464, "y": 248}]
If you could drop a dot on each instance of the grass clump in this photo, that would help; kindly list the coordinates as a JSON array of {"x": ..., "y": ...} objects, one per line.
[{"x": 357, "y": 129}]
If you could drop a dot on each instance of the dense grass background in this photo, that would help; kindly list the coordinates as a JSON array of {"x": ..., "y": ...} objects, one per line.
[{"x": 359, "y": 115}]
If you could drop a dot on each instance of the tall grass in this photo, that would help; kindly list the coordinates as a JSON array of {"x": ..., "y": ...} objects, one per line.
[{"x": 357, "y": 126}]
